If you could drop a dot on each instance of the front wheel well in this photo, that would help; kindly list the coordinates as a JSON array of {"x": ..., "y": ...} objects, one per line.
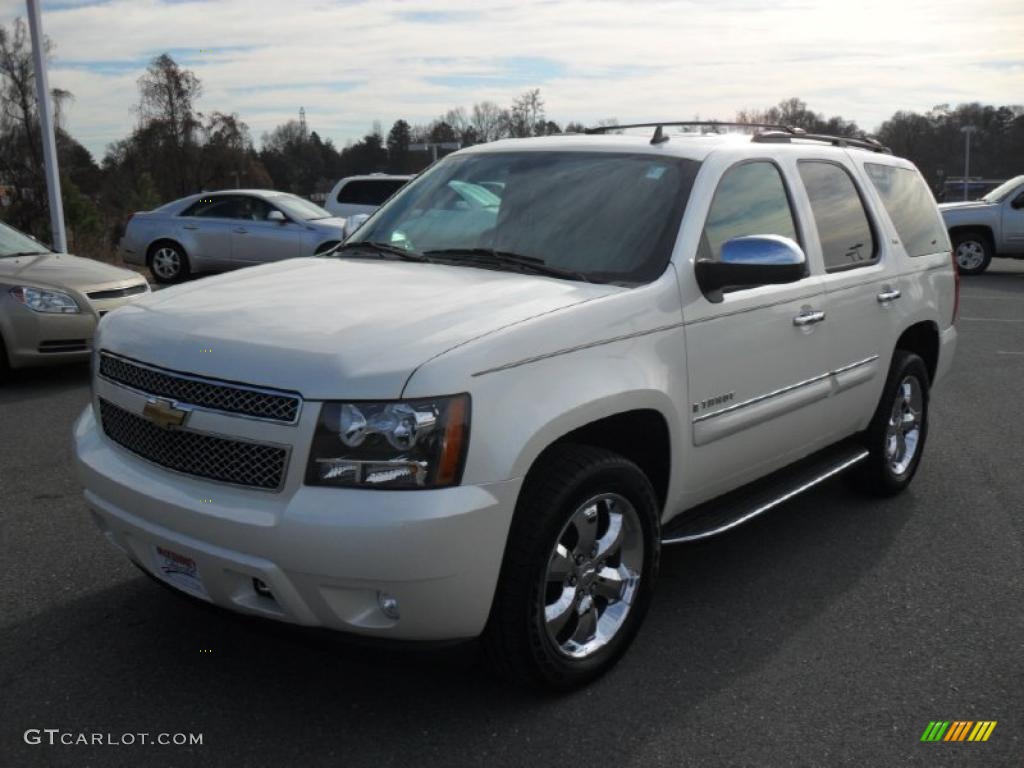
[
  {"x": 642, "y": 436},
  {"x": 923, "y": 340},
  {"x": 982, "y": 229}
]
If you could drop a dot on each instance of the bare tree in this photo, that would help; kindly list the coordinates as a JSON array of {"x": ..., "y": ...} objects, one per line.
[{"x": 486, "y": 120}]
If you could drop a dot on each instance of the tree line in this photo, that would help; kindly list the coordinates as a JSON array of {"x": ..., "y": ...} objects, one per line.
[{"x": 175, "y": 150}]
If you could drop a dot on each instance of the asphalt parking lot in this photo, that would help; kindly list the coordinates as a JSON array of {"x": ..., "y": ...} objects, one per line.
[{"x": 828, "y": 633}]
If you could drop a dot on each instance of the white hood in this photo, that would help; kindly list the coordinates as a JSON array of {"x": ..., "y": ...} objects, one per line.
[{"x": 329, "y": 328}]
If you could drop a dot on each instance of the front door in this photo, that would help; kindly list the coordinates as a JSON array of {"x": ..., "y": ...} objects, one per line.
[
  {"x": 254, "y": 240},
  {"x": 1013, "y": 222},
  {"x": 757, "y": 361}
]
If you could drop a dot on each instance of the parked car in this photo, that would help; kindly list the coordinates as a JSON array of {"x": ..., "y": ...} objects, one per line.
[
  {"x": 487, "y": 421},
  {"x": 50, "y": 302},
  {"x": 988, "y": 227},
  {"x": 362, "y": 194},
  {"x": 218, "y": 231}
]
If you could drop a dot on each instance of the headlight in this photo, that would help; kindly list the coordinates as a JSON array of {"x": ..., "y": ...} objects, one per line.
[
  {"x": 399, "y": 444},
  {"x": 40, "y": 300}
]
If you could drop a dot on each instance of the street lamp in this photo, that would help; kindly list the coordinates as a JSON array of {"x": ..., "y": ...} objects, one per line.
[{"x": 967, "y": 130}]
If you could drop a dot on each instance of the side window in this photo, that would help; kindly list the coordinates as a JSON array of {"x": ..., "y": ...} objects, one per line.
[
  {"x": 254, "y": 209},
  {"x": 844, "y": 230},
  {"x": 220, "y": 207},
  {"x": 910, "y": 205},
  {"x": 751, "y": 199},
  {"x": 369, "y": 191}
]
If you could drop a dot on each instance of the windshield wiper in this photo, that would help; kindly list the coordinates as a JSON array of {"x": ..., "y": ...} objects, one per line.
[
  {"x": 382, "y": 248},
  {"x": 491, "y": 257},
  {"x": 25, "y": 253}
]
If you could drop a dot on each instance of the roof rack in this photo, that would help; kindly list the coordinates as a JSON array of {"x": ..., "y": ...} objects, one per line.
[
  {"x": 659, "y": 136},
  {"x": 767, "y": 132},
  {"x": 862, "y": 142}
]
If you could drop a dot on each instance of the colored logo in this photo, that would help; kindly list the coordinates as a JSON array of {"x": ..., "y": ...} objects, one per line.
[{"x": 958, "y": 730}]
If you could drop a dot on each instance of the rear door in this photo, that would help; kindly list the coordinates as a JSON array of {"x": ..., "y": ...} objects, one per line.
[
  {"x": 757, "y": 361},
  {"x": 206, "y": 231},
  {"x": 254, "y": 240},
  {"x": 865, "y": 291}
]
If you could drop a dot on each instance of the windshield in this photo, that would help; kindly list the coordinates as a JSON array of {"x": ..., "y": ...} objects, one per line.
[
  {"x": 599, "y": 216},
  {"x": 13, "y": 243},
  {"x": 1004, "y": 189},
  {"x": 298, "y": 208}
]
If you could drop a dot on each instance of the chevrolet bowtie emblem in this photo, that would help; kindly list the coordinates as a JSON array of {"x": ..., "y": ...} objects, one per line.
[{"x": 164, "y": 414}]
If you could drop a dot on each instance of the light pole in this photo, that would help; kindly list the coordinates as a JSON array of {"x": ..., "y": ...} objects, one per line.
[
  {"x": 967, "y": 130},
  {"x": 45, "y": 107}
]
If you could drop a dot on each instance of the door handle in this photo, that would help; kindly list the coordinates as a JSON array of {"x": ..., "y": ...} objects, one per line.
[
  {"x": 808, "y": 317},
  {"x": 889, "y": 294},
  {"x": 190, "y": 226},
  {"x": 240, "y": 230}
]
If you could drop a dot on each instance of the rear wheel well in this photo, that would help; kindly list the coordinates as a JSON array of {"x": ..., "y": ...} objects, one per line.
[
  {"x": 923, "y": 340},
  {"x": 163, "y": 241},
  {"x": 641, "y": 436}
]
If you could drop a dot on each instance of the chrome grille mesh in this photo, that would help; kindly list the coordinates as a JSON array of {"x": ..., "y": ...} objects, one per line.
[
  {"x": 203, "y": 393},
  {"x": 215, "y": 458}
]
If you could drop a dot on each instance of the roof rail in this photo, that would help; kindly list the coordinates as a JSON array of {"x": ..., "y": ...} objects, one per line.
[
  {"x": 660, "y": 137},
  {"x": 862, "y": 142},
  {"x": 768, "y": 132}
]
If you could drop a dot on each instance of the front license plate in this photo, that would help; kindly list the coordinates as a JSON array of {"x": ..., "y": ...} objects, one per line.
[{"x": 180, "y": 571}]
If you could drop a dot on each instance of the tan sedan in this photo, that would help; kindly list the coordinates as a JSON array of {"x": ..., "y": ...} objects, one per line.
[{"x": 50, "y": 302}]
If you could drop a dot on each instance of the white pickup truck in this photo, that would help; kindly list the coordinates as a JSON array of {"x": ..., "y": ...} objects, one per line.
[
  {"x": 486, "y": 420},
  {"x": 988, "y": 227}
]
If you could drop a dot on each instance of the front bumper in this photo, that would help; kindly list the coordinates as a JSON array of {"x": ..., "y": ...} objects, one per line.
[
  {"x": 325, "y": 553},
  {"x": 36, "y": 338}
]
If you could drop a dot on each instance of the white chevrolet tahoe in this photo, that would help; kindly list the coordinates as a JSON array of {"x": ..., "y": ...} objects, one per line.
[
  {"x": 486, "y": 420},
  {"x": 991, "y": 226}
]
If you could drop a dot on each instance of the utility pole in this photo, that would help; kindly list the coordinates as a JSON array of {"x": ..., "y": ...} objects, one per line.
[
  {"x": 433, "y": 146},
  {"x": 967, "y": 130},
  {"x": 45, "y": 107}
]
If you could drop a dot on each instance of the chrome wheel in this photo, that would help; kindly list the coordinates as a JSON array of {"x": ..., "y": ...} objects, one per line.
[
  {"x": 970, "y": 255},
  {"x": 593, "y": 574},
  {"x": 166, "y": 263},
  {"x": 904, "y": 430}
]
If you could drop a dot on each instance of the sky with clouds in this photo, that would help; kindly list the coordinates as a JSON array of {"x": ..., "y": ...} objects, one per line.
[{"x": 350, "y": 63}]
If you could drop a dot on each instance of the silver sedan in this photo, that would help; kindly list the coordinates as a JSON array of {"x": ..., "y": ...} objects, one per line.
[{"x": 218, "y": 231}]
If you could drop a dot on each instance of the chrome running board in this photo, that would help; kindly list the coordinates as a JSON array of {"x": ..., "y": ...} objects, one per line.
[{"x": 744, "y": 504}]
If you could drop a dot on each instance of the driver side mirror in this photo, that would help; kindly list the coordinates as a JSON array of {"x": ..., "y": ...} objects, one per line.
[
  {"x": 750, "y": 261},
  {"x": 277, "y": 216}
]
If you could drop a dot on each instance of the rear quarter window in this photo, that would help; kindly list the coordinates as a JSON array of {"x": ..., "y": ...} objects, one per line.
[{"x": 911, "y": 206}]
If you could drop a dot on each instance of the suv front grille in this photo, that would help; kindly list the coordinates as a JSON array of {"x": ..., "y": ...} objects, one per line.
[
  {"x": 204, "y": 393},
  {"x": 215, "y": 458}
]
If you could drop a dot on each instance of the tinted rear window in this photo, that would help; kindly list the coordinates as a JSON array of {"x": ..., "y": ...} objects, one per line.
[
  {"x": 911, "y": 207},
  {"x": 369, "y": 191}
]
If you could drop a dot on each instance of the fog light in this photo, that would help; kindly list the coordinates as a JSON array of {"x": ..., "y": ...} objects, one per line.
[
  {"x": 388, "y": 605},
  {"x": 261, "y": 588}
]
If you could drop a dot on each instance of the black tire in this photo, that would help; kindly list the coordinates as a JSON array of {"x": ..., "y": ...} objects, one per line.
[
  {"x": 324, "y": 247},
  {"x": 516, "y": 640},
  {"x": 165, "y": 275},
  {"x": 881, "y": 474},
  {"x": 968, "y": 247},
  {"x": 5, "y": 365}
]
